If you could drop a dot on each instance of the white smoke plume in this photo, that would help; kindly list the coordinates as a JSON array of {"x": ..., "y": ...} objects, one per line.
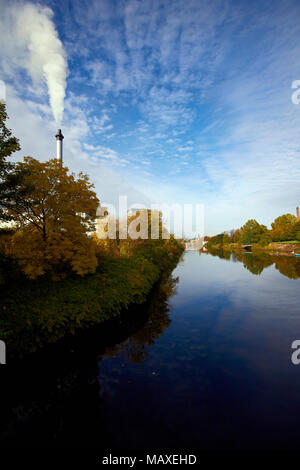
[{"x": 40, "y": 50}]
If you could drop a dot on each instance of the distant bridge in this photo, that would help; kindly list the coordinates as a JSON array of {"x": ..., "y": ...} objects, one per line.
[
  {"x": 194, "y": 245},
  {"x": 247, "y": 247}
]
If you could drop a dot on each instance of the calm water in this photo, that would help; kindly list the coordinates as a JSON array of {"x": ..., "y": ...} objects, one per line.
[{"x": 206, "y": 365}]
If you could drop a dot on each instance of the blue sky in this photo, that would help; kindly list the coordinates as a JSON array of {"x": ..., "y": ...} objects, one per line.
[{"x": 177, "y": 101}]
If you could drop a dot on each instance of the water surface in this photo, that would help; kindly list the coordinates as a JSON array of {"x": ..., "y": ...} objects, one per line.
[
  {"x": 220, "y": 375},
  {"x": 206, "y": 364}
]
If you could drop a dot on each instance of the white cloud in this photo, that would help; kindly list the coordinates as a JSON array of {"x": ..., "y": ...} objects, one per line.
[
  {"x": 199, "y": 89},
  {"x": 37, "y": 138},
  {"x": 29, "y": 42}
]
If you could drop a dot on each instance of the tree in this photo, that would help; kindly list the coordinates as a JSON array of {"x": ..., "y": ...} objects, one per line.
[
  {"x": 283, "y": 227},
  {"x": 216, "y": 240},
  {"x": 296, "y": 230},
  {"x": 252, "y": 231},
  {"x": 284, "y": 220},
  {"x": 236, "y": 238},
  {"x": 8, "y": 145},
  {"x": 265, "y": 239},
  {"x": 226, "y": 239},
  {"x": 54, "y": 213}
]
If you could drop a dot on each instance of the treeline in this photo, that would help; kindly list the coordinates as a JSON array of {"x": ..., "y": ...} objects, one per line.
[
  {"x": 286, "y": 227},
  {"x": 56, "y": 275}
]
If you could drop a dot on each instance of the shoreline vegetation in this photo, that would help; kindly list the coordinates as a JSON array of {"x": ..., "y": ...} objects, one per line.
[
  {"x": 275, "y": 248},
  {"x": 57, "y": 276},
  {"x": 282, "y": 239},
  {"x": 37, "y": 312},
  {"x": 258, "y": 248},
  {"x": 257, "y": 261}
]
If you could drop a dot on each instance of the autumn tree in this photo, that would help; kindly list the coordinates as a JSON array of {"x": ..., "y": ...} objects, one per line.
[
  {"x": 143, "y": 228},
  {"x": 236, "y": 237},
  {"x": 296, "y": 230},
  {"x": 265, "y": 239},
  {"x": 216, "y": 240},
  {"x": 252, "y": 231},
  {"x": 146, "y": 238},
  {"x": 54, "y": 212},
  {"x": 284, "y": 227},
  {"x": 226, "y": 239},
  {"x": 8, "y": 180}
]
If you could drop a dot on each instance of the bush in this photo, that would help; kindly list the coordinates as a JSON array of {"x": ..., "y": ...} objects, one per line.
[{"x": 34, "y": 312}]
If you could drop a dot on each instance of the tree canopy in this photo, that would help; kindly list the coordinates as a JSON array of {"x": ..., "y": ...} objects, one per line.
[
  {"x": 284, "y": 220},
  {"x": 8, "y": 145},
  {"x": 284, "y": 228},
  {"x": 54, "y": 212},
  {"x": 252, "y": 231}
]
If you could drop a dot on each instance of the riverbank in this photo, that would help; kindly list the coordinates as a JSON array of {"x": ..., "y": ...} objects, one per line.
[
  {"x": 283, "y": 248},
  {"x": 289, "y": 248},
  {"x": 34, "y": 313}
]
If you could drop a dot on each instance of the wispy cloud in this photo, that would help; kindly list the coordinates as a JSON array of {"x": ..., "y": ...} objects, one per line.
[{"x": 196, "y": 91}]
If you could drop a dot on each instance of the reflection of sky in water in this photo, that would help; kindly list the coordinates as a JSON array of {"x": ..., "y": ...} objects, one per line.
[{"x": 221, "y": 370}]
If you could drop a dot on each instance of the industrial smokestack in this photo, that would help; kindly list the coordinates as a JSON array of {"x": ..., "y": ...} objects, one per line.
[{"x": 59, "y": 146}]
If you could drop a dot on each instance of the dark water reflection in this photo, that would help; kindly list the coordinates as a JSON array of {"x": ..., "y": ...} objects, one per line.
[
  {"x": 206, "y": 365},
  {"x": 221, "y": 375},
  {"x": 287, "y": 265}
]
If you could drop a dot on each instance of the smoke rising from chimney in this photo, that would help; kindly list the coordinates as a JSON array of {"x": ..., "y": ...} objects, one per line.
[{"x": 44, "y": 57}]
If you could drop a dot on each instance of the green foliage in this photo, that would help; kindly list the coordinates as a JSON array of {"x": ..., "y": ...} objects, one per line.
[
  {"x": 296, "y": 230},
  {"x": 8, "y": 144},
  {"x": 256, "y": 263},
  {"x": 33, "y": 313},
  {"x": 53, "y": 211},
  {"x": 217, "y": 240},
  {"x": 265, "y": 239},
  {"x": 284, "y": 220},
  {"x": 226, "y": 239},
  {"x": 288, "y": 266},
  {"x": 236, "y": 237},
  {"x": 54, "y": 214},
  {"x": 285, "y": 227},
  {"x": 252, "y": 231},
  {"x": 8, "y": 180}
]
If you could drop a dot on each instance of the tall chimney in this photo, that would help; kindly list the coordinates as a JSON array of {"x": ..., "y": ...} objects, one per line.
[
  {"x": 297, "y": 213},
  {"x": 59, "y": 146}
]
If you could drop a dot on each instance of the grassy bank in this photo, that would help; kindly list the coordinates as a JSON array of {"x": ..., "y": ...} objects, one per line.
[
  {"x": 33, "y": 313},
  {"x": 287, "y": 248}
]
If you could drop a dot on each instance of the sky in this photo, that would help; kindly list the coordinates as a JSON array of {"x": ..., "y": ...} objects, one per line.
[{"x": 167, "y": 101}]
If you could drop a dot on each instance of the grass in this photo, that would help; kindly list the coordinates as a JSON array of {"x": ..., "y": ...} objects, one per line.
[
  {"x": 34, "y": 313},
  {"x": 288, "y": 242}
]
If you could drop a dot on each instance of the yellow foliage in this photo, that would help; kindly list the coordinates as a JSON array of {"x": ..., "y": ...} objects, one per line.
[{"x": 54, "y": 215}]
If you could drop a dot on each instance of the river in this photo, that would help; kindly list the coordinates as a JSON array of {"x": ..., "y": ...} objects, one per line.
[{"x": 205, "y": 365}]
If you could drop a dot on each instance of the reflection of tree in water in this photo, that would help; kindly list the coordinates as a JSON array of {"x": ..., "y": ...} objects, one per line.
[
  {"x": 288, "y": 266},
  {"x": 135, "y": 347},
  {"x": 223, "y": 254},
  {"x": 57, "y": 403},
  {"x": 256, "y": 263}
]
